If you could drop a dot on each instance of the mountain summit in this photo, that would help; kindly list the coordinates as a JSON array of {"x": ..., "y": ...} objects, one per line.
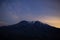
[{"x": 29, "y": 30}]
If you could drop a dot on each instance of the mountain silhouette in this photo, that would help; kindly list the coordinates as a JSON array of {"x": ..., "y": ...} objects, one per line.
[{"x": 35, "y": 30}]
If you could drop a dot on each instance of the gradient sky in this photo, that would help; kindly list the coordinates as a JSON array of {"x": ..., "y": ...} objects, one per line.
[{"x": 13, "y": 11}]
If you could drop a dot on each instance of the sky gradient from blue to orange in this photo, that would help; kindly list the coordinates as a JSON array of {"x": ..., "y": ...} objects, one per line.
[{"x": 13, "y": 11}]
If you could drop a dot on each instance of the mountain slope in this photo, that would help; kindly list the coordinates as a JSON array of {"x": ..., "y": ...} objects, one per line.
[{"x": 29, "y": 30}]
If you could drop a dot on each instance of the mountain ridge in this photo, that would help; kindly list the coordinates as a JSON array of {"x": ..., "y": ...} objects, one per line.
[{"x": 25, "y": 29}]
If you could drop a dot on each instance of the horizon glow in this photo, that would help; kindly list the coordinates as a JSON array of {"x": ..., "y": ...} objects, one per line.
[{"x": 13, "y": 11}]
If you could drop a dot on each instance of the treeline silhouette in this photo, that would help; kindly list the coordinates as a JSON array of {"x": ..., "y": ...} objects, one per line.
[{"x": 34, "y": 30}]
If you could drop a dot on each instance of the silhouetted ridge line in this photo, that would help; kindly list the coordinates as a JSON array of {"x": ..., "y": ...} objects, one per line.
[{"x": 31, "y": 30}]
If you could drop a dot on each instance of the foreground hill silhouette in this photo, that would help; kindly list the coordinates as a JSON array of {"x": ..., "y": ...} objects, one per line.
[{"x": 29, "y": 30}]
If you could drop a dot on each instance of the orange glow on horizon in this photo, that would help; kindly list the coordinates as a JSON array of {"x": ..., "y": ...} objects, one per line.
[
  {"x": 53, "y": 21},
  {"x": 2, "y": 23}
]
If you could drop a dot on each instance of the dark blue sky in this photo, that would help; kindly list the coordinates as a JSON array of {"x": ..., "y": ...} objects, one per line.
[{"x": 13, "y": 11}]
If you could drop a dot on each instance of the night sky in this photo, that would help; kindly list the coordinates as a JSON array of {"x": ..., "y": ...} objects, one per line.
[{"x": 46, "y": 11}]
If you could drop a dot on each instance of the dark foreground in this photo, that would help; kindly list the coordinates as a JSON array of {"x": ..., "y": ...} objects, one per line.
[{"x": 29, "y": 31}]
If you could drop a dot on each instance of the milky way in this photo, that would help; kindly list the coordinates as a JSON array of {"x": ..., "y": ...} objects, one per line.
[{"x": 13, "y": 11}]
